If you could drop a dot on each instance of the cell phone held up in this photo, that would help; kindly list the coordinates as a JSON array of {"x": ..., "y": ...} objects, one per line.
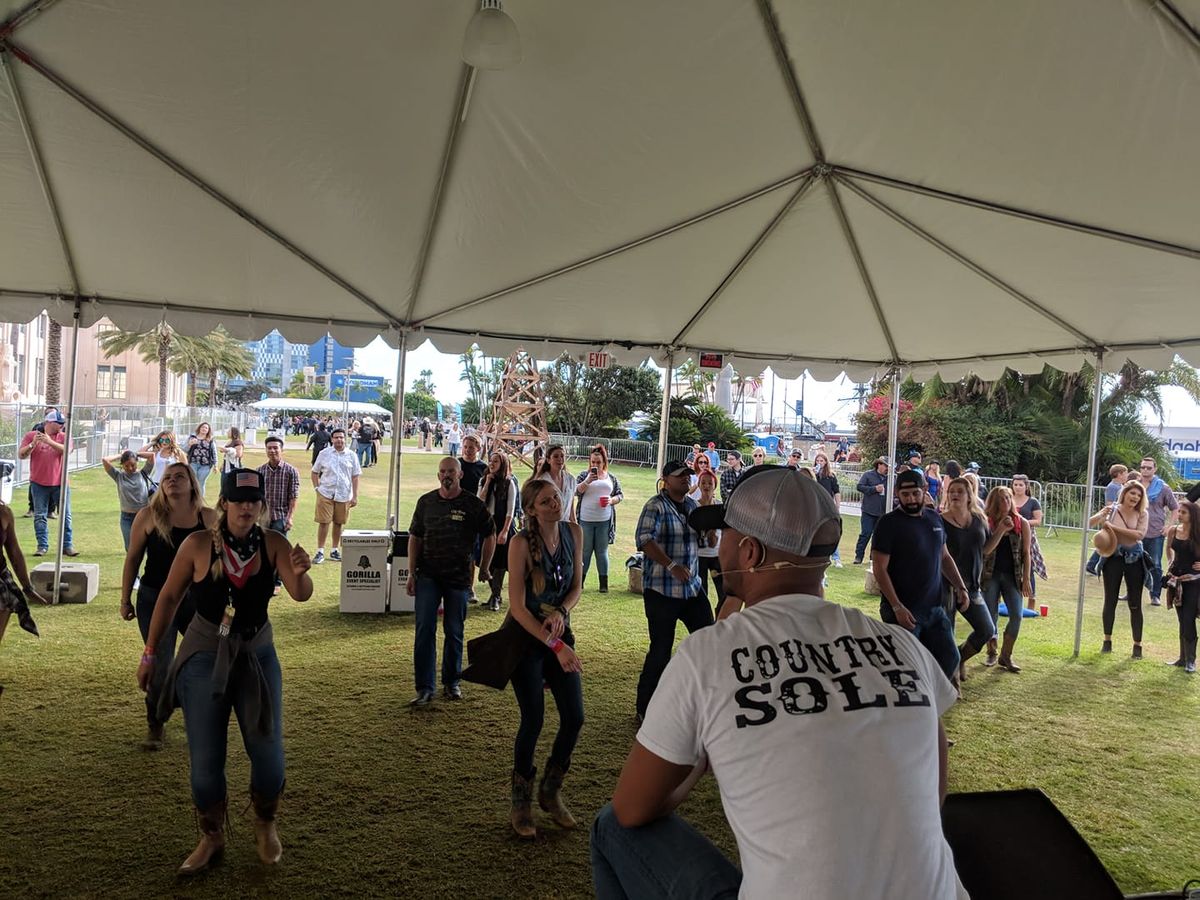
[{"x": 595, "y": 471}]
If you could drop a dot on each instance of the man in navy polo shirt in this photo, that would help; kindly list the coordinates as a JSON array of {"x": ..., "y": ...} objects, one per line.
[{"x": 909, "y": 558}]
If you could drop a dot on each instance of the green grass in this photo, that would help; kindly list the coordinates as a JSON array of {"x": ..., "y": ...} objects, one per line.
[{"x": 383, "y": 801}]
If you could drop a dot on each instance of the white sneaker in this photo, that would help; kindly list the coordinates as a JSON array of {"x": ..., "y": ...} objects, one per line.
[
  {"x": 319, "y": 558},
  {"x": 837, "y": 563},
  {"x": 335, "y": 554}
]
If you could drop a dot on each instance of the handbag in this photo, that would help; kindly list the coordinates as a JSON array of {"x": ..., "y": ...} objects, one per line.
[{"x": 151, "y": 484}]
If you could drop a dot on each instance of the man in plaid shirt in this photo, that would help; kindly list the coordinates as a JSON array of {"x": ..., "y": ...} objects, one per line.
[
  {"x": 281, "y": 490},
  {"x": 733, "y": 471},
  {"x": 671, "y": 589}
]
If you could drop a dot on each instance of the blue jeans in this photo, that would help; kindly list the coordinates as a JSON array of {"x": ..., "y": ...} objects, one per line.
[
  {"x": 454, "y": 614},
  {"x": 43, "y": 498},
  {"x": 127, "y": 526},
  {"x": 207, "y": 721},
  {"x": 665, "y": 859},
  {"x": 1153, "y": 546},
  {"x": 933, "y": 631},
  {"x": 595, "y": 540},
  {"x": 364, "y": 455},
  {"x": 537, "y": 670},
  {"x": 202, "y": 473},
  {"x": 164, "y": 652},
  {"x": 1004, "y": 585},
  {"x": 983, "y": 629},
  {"x": 868, "y": 528}
]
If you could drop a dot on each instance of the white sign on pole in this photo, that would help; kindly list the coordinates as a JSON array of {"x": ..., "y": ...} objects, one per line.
[{"x": 598, "y": 359}]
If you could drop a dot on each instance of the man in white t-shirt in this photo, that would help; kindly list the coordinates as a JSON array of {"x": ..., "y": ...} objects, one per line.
[
  {"x": 821, "y": 725},
  {"x": 335, "y": 475}
]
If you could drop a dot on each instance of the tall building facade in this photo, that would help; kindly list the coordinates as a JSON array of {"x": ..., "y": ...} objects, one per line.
[
  {"x": 327, "y": 356},
  {"x": 277, "y": 360},
  {"x": 120, "y": 380}
]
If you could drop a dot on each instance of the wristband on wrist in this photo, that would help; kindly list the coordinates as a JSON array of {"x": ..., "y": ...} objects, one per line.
[{"x": 555, "y": 644}]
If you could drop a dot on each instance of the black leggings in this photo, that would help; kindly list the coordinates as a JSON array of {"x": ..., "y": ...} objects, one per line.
[
  {"x": 538, "y": 670},
  {"x": 710, "y": 564},
  {"x": 1186, "y": 607},
  {"x": 1134, "y": 576}
]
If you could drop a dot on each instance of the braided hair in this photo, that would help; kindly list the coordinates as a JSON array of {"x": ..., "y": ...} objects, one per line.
[{"x": 533, "y": 532}]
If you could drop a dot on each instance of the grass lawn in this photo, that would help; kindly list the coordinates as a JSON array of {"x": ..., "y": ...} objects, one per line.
[{"x": 384, "y": 801}]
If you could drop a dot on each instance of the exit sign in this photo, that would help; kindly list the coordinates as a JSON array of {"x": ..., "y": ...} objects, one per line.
[
  {"x": 712, "y": 360},
  {"x": 597, "y": 359}
]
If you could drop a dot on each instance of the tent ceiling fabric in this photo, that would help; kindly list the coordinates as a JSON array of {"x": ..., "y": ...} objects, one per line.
[{"x": 644, "y": 163}]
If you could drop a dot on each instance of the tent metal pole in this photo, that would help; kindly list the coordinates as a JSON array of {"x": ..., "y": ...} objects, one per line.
[
  {"x": 989, "y": 206},
  {"x": 775, "y": 35},
  {"x": 620, "y": 248},
  {"x": 39, "y": 167},
  {"x": 893, "y": 437},
  {"x": 1093, "y": 442},
  {"x": 861, "y": 263},
  {"x": 466, "y": 83},
  {"x": 665, "y": 415},
  {"x": 64, "y": 500},
  {"x": 1177, "y": 21},
  {"x": 188, "y": 175},
  {"x": 393, "y": 501},
  {"x": 963, "y": 260},
  {"x": 745, "y": 258},
  {"x": 24, "y": 16}
]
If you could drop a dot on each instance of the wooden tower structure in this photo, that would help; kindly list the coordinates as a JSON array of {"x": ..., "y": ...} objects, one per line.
[{"x": 519, "y": 412}]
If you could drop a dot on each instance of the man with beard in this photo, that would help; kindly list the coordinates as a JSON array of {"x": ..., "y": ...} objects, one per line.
[
  {"x": 445, "y": 526},
  {"x": 770, "y": 699},
  {"x": 909, "y": 557}
]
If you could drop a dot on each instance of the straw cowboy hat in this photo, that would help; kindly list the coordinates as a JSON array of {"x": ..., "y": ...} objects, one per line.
[{"x": 1105, "y": 542}]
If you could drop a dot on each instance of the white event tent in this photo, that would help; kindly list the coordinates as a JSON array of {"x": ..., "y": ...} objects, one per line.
[
  {"x": 293, "y": 404},
  {"x": 919, "y": 187}
]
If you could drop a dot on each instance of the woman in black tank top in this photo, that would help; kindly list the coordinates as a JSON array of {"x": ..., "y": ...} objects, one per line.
[
  {"x": 227, "y": 661},
  {"x": 1183, "y": 577},
  {"x": 175, "y": 511}
]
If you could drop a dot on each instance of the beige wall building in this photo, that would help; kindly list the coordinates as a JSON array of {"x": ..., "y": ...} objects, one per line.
[{"x": 123, "y": 380}]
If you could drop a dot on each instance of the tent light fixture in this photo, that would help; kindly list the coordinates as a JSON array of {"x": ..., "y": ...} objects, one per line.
[{"x": 491, "y": 40}]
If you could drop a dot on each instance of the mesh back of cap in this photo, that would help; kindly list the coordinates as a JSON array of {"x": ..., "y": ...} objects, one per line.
[{"x": 785, "y": 510}]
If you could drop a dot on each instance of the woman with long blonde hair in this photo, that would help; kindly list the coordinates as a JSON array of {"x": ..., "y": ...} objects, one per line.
[
  {"x": 166, "y": 452},
  {"x": 227, "y": 661},
  {"x": 1006, "y": 563},
  {"x": 1125, "y": 521},
  {"x": 175, "y": 511},
  {"x": 546, "y": 575},
  {"x": 966, "y": 537}
]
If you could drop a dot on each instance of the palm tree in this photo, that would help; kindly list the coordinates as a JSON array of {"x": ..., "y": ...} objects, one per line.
[
  {"x": 189, "y": 358},
  {"x": 54, "y": 364},
  {"x": 154, "y": 345},
  {"x": 227, "y": 357}
]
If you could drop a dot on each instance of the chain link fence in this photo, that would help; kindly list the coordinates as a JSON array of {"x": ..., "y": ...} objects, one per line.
[{"x": 99, "y": 431}]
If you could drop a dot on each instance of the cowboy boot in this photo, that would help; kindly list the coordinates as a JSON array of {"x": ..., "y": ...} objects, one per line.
[
  {"x": 991, "y": 654},
  {"x": 1005, "y": 661},
  {"x": 964, "y": 653},
  {"x": 522, "y": 811},
  {"x": 1183, "y": 655},
  {"x": 550, "y": 797},
  {"x": 603, "y": 584},
  {"x": 212, "y": 840},
  {"x": 1190, "y": 668},
  {"x": 265, "y": 836}
]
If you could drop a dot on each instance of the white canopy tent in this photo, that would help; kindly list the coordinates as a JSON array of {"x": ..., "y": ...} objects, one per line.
[
  {"x": 291, "y": 404},
  {"x": 917, "y": 187}
]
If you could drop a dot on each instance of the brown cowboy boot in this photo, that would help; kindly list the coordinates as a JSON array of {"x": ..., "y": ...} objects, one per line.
[
  {"x": 270, "y": 850},
  {"x": 212, "y": 840},
  {"x": 550, "y": 798},
  {"x": 1006, "y": 654},
  {"x": 522, "y": 811}
]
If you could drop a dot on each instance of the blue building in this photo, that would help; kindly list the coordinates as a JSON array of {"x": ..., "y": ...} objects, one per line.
[
  {"x": 277, "y": 360},
  {"x": 328, "y": 356}
]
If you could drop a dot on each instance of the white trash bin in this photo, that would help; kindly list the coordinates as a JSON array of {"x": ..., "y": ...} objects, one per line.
[{"x": 365, "y": 576}]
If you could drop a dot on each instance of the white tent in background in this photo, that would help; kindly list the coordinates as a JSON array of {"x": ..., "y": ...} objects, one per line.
[
  {"x": 930, "y": 186},
  {"x": 296, "y": 404}
]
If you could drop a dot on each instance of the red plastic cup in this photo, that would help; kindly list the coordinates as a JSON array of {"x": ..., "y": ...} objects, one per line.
[
  {"x": 1045, "y": 610},
  {"x": 603, "y": 501}
]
